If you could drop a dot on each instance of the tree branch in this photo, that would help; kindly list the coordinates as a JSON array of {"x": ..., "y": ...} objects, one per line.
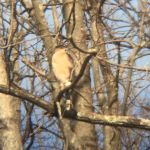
[
  {"x": 118, "y": 121},
  {"x": 93, "y": 118},
  {"x": 20, "y": 93}
]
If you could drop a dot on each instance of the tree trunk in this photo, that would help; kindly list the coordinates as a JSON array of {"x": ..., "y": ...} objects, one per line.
[
  {"x": 110, "y": 105},
  {"x": 10, "y": 138},
  {"x": 111, "y": 134},
  {"x": 76, "y": 29},
  {"x": 71, "y": 140}
]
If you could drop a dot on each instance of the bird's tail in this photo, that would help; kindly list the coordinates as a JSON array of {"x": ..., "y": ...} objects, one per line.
[
  {"x": 68, "y": 83},
  {"x": 69, "y": 105},
  {"x": 64, "y": 85}
]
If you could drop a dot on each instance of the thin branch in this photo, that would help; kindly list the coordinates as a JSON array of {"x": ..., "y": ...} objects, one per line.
[
  {"x": 145, "y": 69},
  {"x": 36, "y": 70}
]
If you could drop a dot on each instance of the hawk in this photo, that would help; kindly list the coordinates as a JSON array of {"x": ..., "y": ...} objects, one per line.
[{"x": 62, "y": 65}]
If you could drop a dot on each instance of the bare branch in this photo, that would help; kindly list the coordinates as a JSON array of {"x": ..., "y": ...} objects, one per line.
[
  {"x": 118, "y": 121},
  {"x": 93, "y": 118},
  {"x": 22, "y": 94}
]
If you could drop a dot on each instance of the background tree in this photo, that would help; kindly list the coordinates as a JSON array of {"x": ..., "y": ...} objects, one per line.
[{"x": 109, "y": 43}]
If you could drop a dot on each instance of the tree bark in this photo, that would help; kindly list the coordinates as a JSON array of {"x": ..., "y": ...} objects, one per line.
[
  {"x": 75, "y": 28},
  {"x": 10, "y": 134},
  {"x": 43, "y": 30},
  {"x": 112, "y": 135},
  {"x": 110, "y": 105},
  {"x": 9, "y": 115}
]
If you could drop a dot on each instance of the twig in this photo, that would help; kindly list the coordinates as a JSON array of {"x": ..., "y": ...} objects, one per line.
[
  {"x": 124, "y": 66},
  {"x": 38, "y": 71}
]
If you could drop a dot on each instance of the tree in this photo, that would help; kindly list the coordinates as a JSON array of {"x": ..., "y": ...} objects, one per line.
[{"x": 109, "y": 44}]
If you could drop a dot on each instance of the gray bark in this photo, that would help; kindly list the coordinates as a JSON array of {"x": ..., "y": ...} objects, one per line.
[
  {"x": 9, "y": 115},
  {"x": 76, "y": 30}
]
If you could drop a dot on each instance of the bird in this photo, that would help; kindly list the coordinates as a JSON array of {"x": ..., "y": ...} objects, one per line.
[{"x": 62, "y": 65}]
